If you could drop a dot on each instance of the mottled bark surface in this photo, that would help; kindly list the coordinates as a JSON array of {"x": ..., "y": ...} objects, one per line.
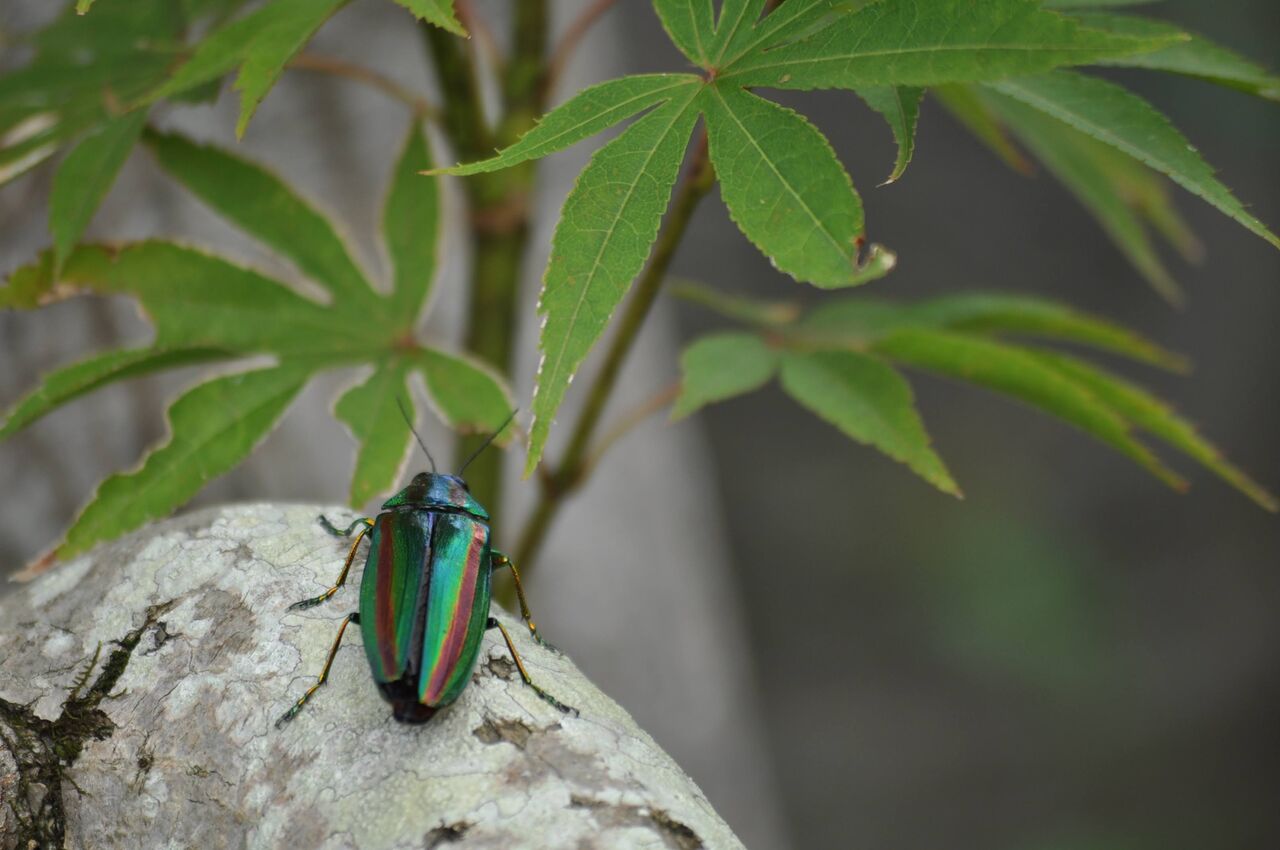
[{"x": 139, "y": 684}]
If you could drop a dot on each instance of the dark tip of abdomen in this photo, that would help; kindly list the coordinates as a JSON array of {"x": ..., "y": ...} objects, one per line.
[{"x": 412, "y": 712}]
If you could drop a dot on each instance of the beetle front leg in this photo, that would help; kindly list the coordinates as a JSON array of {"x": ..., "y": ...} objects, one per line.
[
  {"x": 498, "y": 560},
  {"x": 332, "y": 529},
  {"x": 324, "y": 674},
  {"x": 346, "y": 568},
  {"x": 524, "y": 674}
]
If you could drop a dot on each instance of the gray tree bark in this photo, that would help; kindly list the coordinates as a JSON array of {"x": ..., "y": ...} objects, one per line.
[{"x": 139, "y": 685}]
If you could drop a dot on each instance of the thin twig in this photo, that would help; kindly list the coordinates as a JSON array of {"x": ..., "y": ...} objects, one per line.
[
  {"x": 629, "y": 422},
  {"x": 568, "y": 43},
  {"x": 478, "y": 26},
  {"x": 341, "y": 68}
]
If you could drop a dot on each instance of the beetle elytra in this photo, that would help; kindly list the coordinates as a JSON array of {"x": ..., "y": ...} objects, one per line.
[{"x": 424, "y": 597}]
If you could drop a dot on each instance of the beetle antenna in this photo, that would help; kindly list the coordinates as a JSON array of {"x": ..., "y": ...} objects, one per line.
[
  {"x": 409, "y": 422},
  {"x": 485, "y": 444}
]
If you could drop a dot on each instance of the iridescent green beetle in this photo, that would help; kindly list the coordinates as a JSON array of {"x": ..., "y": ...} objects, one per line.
[{"x": 424, "y": 596}]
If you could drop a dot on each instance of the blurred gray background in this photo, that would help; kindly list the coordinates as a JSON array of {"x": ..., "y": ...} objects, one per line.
[{"x": 1073, "y": 657}]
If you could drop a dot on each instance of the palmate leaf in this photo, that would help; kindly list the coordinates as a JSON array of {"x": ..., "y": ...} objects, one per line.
[
  {"x": 963, "y": 337},
  {"x": 263, "y": 42},
  {"x": 1128, "y": 123},
  {"x": 464, "y": 395},
  {"x": 779, "y": 177},
  {"x": 207, "y": 308}
]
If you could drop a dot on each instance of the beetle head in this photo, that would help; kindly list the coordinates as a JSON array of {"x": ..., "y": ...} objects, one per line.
[{"x": 430, "y": 490}]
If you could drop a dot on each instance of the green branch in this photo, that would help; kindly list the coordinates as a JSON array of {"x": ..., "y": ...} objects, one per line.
[{"x": 499, "y": 214}]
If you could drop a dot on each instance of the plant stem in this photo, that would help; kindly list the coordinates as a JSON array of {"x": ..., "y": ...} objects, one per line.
[
  {"x": 569, "y": 475},
  {"x": 568, "y": 43},
  {"x": 476, "y": 24},
  {"x": 336, "y": 67},
  {"x": 459, "y": 82},
  {"x": 499, "y": 215},
  {"x": 627, "y": 423}
]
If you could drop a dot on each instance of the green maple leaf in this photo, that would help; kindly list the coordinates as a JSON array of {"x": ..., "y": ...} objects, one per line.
[
  {"x": 1114, "y": 151},
  {"x": 94, "y": 77},
  {"x": 208, "y": 309},
  {"x": 840, "y": 361},
  {"x": 778, "y": 175}
]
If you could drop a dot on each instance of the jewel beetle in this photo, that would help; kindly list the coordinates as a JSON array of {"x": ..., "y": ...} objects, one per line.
[{"x": 424, "y": 595}]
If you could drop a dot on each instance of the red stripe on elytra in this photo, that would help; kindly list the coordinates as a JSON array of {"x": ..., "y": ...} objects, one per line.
[
  {"x": 453, "y": 642},
  {"x": 385, "y": 602}
]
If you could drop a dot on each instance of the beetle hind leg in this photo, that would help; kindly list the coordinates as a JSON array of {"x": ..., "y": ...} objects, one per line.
[
  {"x": 524, "y": 674},
  {"x": 346, "y": 568},
  {"x": 498, "y": 560},
  {"x": 324, "y": 674}
]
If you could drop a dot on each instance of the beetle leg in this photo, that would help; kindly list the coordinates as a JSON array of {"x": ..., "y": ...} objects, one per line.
[
  {"x": 498, "y": 561},
  {"x": 524, "y": 674},
  {"x": 324, "y": 674},
  {"x": 329, "y": 527},
  {"x": 342, "y": 576}
]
